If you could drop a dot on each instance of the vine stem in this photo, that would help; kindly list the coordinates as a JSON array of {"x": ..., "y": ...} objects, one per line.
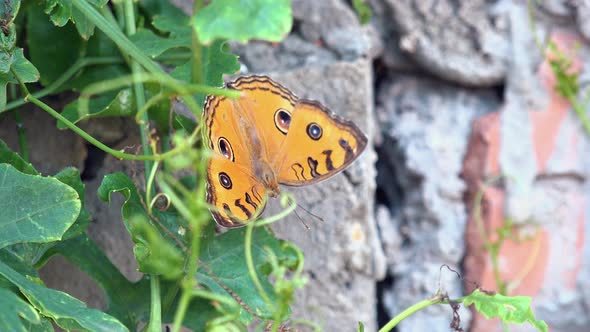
[
  {"x": 250, "y": 264},
  {"x": 138, "y": 90},
  {"x": 81, "y": 63},
  {"x": 196, "y": 48},
  {"x": 149, "y": 186},
  {"x": 289, "y": 202},
  {"x": 155, "y": 324},
  {"x": 22, "y": 135},
  {"x": 115, "y": 153},
  {"x": 409, "y": 311},
  {"x": 20, "y": 128},
  {"x": 28, "y": 97},
  {"x": 117, "y": 36},
  {"x": 197, "y": 219}
]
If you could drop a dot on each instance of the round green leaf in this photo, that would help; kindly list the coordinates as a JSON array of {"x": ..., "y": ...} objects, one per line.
[
  {"x": 34, "y": 208},
  {"x": 244, "y": 20}
]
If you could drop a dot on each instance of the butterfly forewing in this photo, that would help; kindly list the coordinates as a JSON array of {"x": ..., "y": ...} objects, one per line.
[{"x": 319, "y": 145}]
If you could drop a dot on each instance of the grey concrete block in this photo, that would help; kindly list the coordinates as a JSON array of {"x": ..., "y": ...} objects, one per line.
[
  {"x": 425, "y": 125},
  {"x": 342, "y": 252}
]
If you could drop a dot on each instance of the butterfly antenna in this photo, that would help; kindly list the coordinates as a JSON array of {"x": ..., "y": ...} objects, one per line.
[
  {"x": 310, "y": 213},
  {"x": 301, "y": 219}
]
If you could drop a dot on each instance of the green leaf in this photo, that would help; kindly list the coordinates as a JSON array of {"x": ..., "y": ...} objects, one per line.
[
  {"x": 120, "y": 104},
  {"x": 217, "y": 60},
  {"x": 511, "y": 309},
  {"x": 61, "y": 11},
  {"x": 160, "y": 111},
  {"x": 11, "y": 308},
  {"x": 361, "y": 327},
  {"x": 15, "y": 262},
  {"x": 68, "y": 312},
  {"x": 224, "y": 257},
  {"x": 43, "y": 326},
  {"x": 243, "y": 20},
  {"x": 84, "y": 26},
  {"x": 363, "y": 11},
  {"x": 151, "y": 246},
  {"x": 154, "y": 45},
  {"x": 34, "y": 208},
  {"x": 8, "y": 11},
  {"x": 71, "y": 177},
  {"x": 10, "y": 157},
  {"x": 99, "y": 47},
  {"x": 200, "y": 315},
  {"x": 176, "y": 34},
  {"x": 129, "y": 302},
  {"x": 24, "y": 68},
  {"x": 56, "y": 57},
  {"x": 154, "y": 254},
  {"x": 31, "y": 252},
  {"x": 14, "y": 61}
]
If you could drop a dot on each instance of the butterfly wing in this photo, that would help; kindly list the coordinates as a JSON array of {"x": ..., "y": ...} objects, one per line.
[
  {"x": 319, "y": 145},
  {"x": 263, "y": 108},
  {"x": 235, "y": 196},
  {"x": 234, "y": 191}
]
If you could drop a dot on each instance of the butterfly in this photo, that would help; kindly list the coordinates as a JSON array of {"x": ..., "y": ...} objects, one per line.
[{"x": 268, "y": 137}]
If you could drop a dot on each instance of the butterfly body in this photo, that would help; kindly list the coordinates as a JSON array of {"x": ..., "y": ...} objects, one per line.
[{"x": 269, "y": 137}]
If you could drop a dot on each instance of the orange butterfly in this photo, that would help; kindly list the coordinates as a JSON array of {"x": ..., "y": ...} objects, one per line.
[{"x": 269, "y": 137}]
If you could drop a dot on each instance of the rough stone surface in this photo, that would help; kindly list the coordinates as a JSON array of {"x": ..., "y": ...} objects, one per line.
[
  {"x": 461, "y": 41},
  {"x": 341, "y": 253},
  {"x": 106, "y": 227},
  {"x": 582, "y": 15},
  {"x": 559, "y": 8},
  {"x": 424, "y": 127},
  {"x": 392, "y": 55},
  {"x": 543, "y": 155},
  {"x": 323, "y": 32},
  {"x": 50, "y": 149}
]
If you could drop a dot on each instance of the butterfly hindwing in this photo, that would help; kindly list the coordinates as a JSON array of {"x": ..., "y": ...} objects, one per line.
[
  {"x": 319, "y": 144},
  {"x": 236, "y": 196}
]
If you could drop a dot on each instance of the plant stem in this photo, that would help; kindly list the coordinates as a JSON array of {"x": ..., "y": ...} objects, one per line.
[
  {"x": 190, "y": 283},
  {"x": 20, "y": 128},
  {"x": 409, "y": 311},
  {"x": 196, "y": 48},
  {"x": 197, "y": 219},
  {"x": 149, "y": 186},
  {"x": 115, "y": 153},
  {"x": 138, "y": 90},
  {"x": 185, "y": 299},
  {"x": 22, "y": 135},
  {"x": 250, "y": 264},
  {"x": 155, "y": 324},
  {"x": 117, "y": 36},
  {"x": 81, "y": 63}
]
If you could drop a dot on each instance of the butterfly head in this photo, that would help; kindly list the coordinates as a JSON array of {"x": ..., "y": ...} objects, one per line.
[{"x": 268, "y": 177}]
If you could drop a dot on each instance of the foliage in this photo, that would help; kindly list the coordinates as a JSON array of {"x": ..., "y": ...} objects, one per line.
[
  {"x": 109, "y": 57},
  {"x": 511, "y": 309},
  {"x": 192, "y": 277},
  {"x": 363, "y": 10},
  {"x": 567, "y": 77},
  {"x": 568, "y": 85}
]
